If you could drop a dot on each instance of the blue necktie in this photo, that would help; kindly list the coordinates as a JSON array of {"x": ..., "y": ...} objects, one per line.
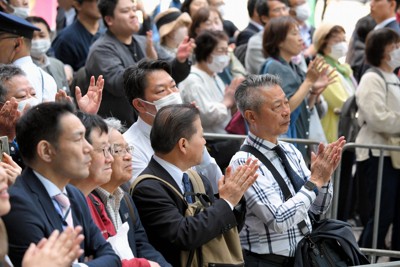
[
  {"x": 296, "y": 180},
  {"x": 187, "y": 186}
]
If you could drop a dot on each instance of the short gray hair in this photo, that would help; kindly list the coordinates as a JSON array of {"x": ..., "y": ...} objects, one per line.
[
  {"x": 7, "y": 72},
  {"x": 248, "y": 96},
  {"x": 116, "y": 124}
]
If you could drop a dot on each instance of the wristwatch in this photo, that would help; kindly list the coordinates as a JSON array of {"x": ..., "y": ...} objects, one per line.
[{"x": 311, "y": 187}]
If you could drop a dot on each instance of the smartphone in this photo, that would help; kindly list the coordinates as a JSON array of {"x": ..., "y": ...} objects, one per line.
[{"x": 4, "y": 146}]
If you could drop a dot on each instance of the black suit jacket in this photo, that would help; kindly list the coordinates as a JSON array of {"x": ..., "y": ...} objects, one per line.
[
  {"x": 33, "y": 216},
  {"x": 162, "y": 214},
  {"x": 245, "y": 35}
]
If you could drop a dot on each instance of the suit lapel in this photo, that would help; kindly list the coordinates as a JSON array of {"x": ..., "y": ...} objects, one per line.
[{"x": 43, "y": 198}]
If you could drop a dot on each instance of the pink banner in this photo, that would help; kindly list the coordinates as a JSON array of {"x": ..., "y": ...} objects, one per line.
[{"x": 46, "y": 9}]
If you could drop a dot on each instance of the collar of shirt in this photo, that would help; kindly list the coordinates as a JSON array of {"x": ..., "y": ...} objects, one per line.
[
  {"x": 174, "y": 171},
  {"x": 384, "y": 23},
  {"x": 111, "y": 200},
  {"x": 259, "y": 143},
  {"x": 52, "y": 190},
  {"x": 144, "y": 127},
  {"x": 45, "y": 63},
  {"x": 50, "y": 187},
  {"x": 23, "y": 60},
  {"x": 259, "y": 26}
]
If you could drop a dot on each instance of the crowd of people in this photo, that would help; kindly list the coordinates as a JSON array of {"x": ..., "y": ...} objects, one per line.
[{"x": 103, "y": 101}]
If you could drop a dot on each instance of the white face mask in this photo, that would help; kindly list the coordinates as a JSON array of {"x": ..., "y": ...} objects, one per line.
[
  {"x": 40, "y": 47},
  {"x": 338, "y": 50},
  {"x": 171, "y": 99},
  {"x": 32, "y": 101},
  {"x": 218, "y": 63},
  {"x": 394, "y": 61},
  {"x": 303, "y": 12},
  {"x": 22, "y": 12}
]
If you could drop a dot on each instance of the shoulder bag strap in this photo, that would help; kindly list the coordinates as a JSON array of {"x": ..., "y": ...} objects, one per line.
[
  {"x": 271, "y": 168},
  {"x": 130, "y": 207},
  {"x": 278, "y": 178},
  {"x": 149, "y": 176}
]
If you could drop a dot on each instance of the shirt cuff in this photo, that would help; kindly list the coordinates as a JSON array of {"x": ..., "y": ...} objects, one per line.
[{"x": 230, "y": 204}]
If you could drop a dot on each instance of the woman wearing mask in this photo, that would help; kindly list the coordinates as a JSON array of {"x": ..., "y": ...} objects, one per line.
[
  {"x": 208, "y": 91},
  {"x": 378, "y": 98},
  {"x": 281, "y": 42},
  {"x": 330, "y": 42},
  {"x": 172, "y": 27},
  {"x": 40, "y": 45},
  {"x": 210, "y": 19}
]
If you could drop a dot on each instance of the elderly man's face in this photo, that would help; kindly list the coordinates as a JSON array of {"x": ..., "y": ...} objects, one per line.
[{"x": 273, "y": 118}]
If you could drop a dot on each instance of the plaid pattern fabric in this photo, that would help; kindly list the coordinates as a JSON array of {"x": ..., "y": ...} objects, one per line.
[
  {"x": 112, "y": 202},
  {"x": 271, "y": 223}
]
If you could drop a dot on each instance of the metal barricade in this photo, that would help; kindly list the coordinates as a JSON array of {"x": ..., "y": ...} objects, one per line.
[{"x": 336, "y": 184}]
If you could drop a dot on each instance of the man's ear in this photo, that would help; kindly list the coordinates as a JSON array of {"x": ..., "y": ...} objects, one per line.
[
  {"x": 138, "y": 105},
  {"x": 249, "y": 116},
  {"x": 45, "y": 151},
  {"x": 182, "y": 144},
  {"x": 108, "y": 20}
]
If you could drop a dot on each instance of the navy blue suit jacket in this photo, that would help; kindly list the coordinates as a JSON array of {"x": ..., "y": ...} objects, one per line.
[
  {"x": 33, "y": 216},
  {"x": 244, "y": 36},
  {"x": 162, "y": 213}
]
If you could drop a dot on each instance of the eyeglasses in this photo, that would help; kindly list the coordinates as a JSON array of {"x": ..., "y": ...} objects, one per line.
[
  {"x": 106, "y": 151},
  {"x": 119, "y": 150}
]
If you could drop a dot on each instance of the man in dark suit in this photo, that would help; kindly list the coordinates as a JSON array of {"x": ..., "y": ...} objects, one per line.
[
  {"x": 52, "y": 144},
  {"x": 384, "y": 14},
  {"x": 178, "y": 143},
  {"x": 255, "y": 24}
]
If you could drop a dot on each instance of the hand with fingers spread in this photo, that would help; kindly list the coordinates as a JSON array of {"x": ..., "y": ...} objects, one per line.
[
  {"x": 232, "y": 186},
  {"x": 325, "y": 162},
  {"x": 58, "y": 250},
  {"x": 90, "y": 103},
  {"x": 11, "y": 167},
  {"x": 61, "y": 96},
  {"x": 185, "y": 49},
  {"x": 9, "y": 116},
  {"x": 320, "y": 74}
]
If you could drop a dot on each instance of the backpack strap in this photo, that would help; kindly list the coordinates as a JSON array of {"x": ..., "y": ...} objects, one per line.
[
  {"x": 197, "y": 182},
  {"x": 149, "y": 176},
  {"x": 130, "y": 206}
]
